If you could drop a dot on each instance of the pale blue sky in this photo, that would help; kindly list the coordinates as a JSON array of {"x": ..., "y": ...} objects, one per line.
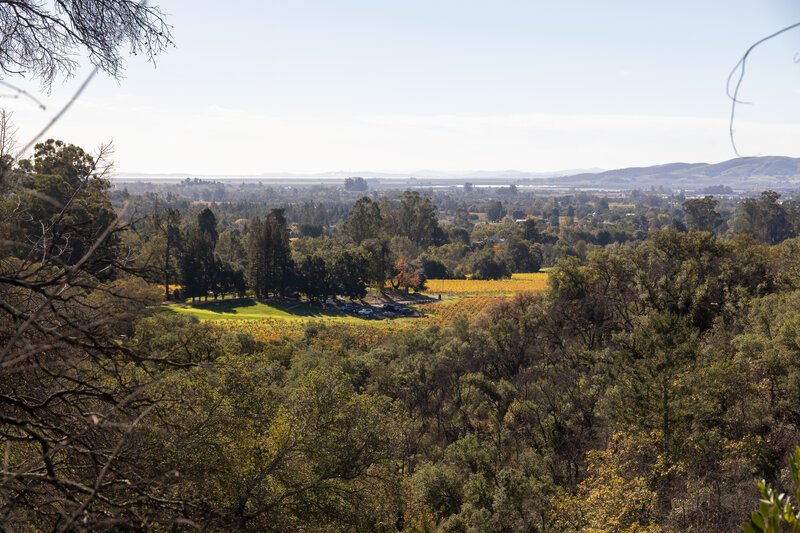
[{"x": 311, "y": 86}]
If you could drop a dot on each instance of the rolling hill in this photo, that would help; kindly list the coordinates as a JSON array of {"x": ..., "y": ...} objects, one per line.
[{"x": 776, "y": 172}]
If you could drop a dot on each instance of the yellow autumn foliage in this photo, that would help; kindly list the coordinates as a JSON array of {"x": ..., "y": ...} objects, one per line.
[
  {"x": 615, "y": 497},
  {"x": 536, "y": 282}
]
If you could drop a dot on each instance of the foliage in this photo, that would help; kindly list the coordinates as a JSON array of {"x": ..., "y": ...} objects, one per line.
[
  {"x": 642, "y": 384},
  {"x": 485, "y": 265},
  {"x": 269, "y": 267},
  {"x": 364, "y": 221},
  {"x": 59, "y": 208},
  {"x": 529, "y": 283},
  {"x": 775, "y": 508},
  {"x": 616, "y": 494},
  {"x": 700, "y": 214},
  {"x": 415, "y": 218},
  {"x": 254, "y": 456}
]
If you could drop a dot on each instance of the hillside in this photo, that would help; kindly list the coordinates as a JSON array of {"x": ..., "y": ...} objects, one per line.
[{"x": 776, "y": 172}]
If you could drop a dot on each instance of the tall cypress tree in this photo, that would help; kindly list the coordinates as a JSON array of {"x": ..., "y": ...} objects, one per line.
[
  {"x": 198, "y": 266},
  {"x": 197, "y": 263},
  {"x": 257, "y": 247},
  {"x": 207, "y": 222},
  {"x": 281, "y": 264},
  {"x": 269, "y": 268}
]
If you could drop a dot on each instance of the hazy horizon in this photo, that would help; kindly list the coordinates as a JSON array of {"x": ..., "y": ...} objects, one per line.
[{"x": 310, "y": 86}]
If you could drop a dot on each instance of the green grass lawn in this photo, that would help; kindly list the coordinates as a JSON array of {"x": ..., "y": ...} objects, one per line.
[{"x": 246, "y": 309}]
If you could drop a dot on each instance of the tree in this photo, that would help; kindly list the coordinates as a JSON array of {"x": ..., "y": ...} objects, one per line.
[
  {"x": 227, "y": 278},
  {"x": 347, "y": 271},
  {"x": 167, "y": 224},
  {"x": 269, "y": 266},
  {"x": 71, "y": 396},
  {"x": 198, "y": 267},
  {"x": 355, "y": 184},
  {"x": 495, "y": 211},
  {"x": 230, "y": 249},
  {"x": 459, "y": 235},
  {"x": 776, "y": 507},
  {"x": 316, "y": 456},
  {"x": 8, "y": 145},
  {"x": 406, "y": 275},
  {"x": 42, "y": 42},
  {"x": 765, "y": 218},
  {"x": 364, "y": 221},
  {"x": 530, "y": 231},
  {"x": 433, "y": 268},
  {"x": 461, "y": 218},
  {"x": 379, "y": 261},
  {"x": 521, "y": 256},
  {"x": 62, "y": 206},
  {"x": 615, "y": 496},
  {"x": 310, "y": 230},
  {"x": 655, "y": 364},
  {"x": 485, "y": 264},
  {"x": 700, "y": 213},
  {"x": 207, "y": 222},
  {"x": 415, "y": 218},
  {"x": 314, "y": 279}
]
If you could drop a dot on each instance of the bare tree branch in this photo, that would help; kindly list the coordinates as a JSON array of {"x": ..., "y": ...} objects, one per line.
[{"x": 740, "y": 68}]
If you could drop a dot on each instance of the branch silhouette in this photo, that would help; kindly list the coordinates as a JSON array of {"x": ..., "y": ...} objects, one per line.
[{"x": 740, "y": 68}]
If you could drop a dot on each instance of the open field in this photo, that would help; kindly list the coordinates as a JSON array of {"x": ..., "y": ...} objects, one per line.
[
  {"x": 248, "y": 309},
  {"x": 273, "y": 320},
  {"x": 535, "y": 282}
]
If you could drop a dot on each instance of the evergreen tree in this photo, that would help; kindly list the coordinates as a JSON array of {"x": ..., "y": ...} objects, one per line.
[
  {"x": 198, "y": 267},
  {"x": 314, "y": 278},
  {"x": 198, "y": 264},
  {"x": 270, "y": 268},
  {"x": 208, "y": 223},
  {"x": 257, "y": 246}
]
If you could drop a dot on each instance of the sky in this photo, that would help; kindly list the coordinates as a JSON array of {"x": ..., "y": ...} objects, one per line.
[{"x": 319, "y": 86}]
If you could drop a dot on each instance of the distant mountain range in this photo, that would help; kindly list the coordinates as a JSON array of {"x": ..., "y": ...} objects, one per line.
[
  {"x": 747, "y": 173},
  {"x": 776, "y": 172}
]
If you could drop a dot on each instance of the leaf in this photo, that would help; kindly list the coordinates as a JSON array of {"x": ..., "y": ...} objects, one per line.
[{"x": 750, "y": 529}]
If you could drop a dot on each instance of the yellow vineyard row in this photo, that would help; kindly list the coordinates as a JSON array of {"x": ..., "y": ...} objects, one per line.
[{"x": 521, "y": 283}]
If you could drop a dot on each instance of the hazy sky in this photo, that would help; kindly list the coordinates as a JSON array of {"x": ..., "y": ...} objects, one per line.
[{"x": 313, "y": 86}]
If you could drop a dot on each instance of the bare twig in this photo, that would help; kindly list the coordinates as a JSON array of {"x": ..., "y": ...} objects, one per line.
[{"x": 740, "y": 68}]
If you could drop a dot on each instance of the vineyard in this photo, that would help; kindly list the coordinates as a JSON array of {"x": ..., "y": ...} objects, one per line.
[
  {"x": 536, "y": 282},
  {"x": 367, "y": 332},
  {"x": 268, "y": 321},
  {"x": 443, "y": 313}
]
